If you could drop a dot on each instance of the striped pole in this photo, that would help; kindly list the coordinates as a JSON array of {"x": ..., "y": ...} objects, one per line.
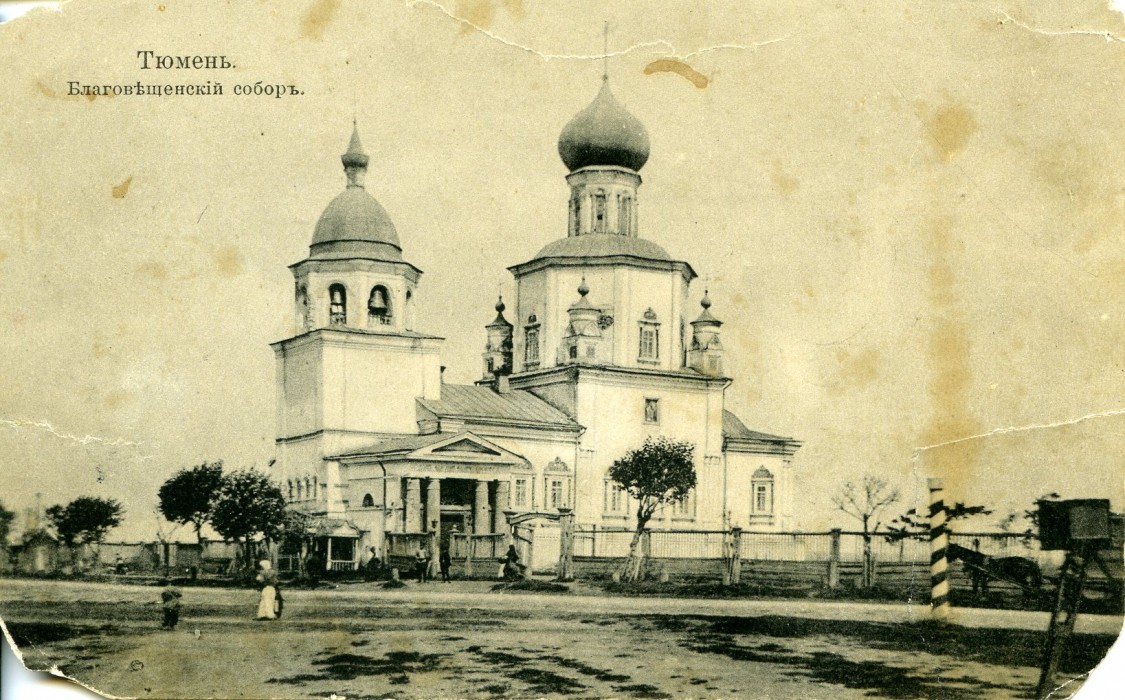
[{"x": 939, "y": 541}]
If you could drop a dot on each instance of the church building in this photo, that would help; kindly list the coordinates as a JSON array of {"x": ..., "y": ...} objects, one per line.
[{"x": 603, "y": 345}]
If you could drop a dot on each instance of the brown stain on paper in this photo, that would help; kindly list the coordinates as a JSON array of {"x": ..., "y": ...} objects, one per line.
[
  {"x": 948, "y": 128},
  {"x": 228, "y": 261},
  {"x": 317, "y": 19},
  {"x": 671, "y": 65},
  {"x": 785, "y": 183},
  {"x": 153, "y": 270},
  {"x": 949, "y": 357},
  {"x": 119, "y": 191},
  {"x": 482, "y": 13},
  {"x": 856, "y": 370}
]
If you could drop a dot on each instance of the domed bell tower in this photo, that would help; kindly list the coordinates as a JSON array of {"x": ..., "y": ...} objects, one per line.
[
  {"x": 355, "y": 367},
  {"x": 498, "y": 346},
  {"x": 706, "y": 353}
]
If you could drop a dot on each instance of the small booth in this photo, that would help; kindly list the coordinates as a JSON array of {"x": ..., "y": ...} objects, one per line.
[{"x": 336, "y": 543}]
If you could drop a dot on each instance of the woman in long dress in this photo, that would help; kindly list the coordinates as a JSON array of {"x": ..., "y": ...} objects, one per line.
[{"x": 267, "y": 579}]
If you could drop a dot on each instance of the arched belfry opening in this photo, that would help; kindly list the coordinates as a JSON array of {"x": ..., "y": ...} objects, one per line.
[
  {"x": 337, "y": 305},
  {"x": 379, "y": 310}
]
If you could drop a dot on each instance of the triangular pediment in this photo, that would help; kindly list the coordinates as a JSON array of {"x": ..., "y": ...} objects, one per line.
[{"x": 465, "y": 445}]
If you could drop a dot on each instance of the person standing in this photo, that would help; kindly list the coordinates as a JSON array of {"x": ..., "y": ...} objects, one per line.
[
  {"x": 421, "y": 563},
  {"x": 170, "y": 604},
  {"x": 444, "y": 563},
  {"x": 267, "y": 603}
]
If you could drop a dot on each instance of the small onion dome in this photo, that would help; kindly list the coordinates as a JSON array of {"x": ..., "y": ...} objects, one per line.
[
  {"x": 583, "y": 303},
  {"x": 706, "y": 318},
  {"x": 604, "y": 133},
  {"x": 500, "y": 321},
  {"x": 354, "y": 155}
]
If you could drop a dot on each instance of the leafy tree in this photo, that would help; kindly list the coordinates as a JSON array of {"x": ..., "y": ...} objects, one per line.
[
  {"x": 85, "y": 519},
  {"x": 660, "y": 472},
  {"x": 865, "y": 502},
  {"x": 189, "y": 494},
  {"x": 6, "y": 518},
  {"x": 249, "y": 505}
]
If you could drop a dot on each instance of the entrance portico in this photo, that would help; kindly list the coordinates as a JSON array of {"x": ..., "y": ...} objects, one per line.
[{"x": 443, "y": 482}]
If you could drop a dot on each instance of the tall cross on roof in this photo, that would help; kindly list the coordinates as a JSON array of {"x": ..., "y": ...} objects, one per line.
[{"x": 605, "y": 51}]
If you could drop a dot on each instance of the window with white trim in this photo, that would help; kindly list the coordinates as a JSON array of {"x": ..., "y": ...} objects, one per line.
[
  {"x": 519, "y": 495},
  {"x": 761, "y": 492}
]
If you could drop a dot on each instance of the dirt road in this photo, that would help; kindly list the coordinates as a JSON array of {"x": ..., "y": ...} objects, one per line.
[{"x": 461, "y": 640}]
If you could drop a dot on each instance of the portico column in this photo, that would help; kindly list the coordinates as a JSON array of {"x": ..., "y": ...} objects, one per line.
[
  {"x": 433, "y": 505},
  {"x": 481, "y": 522},
  {"x": 499, "y": 521},
  {"x": 413, "y": 505}
]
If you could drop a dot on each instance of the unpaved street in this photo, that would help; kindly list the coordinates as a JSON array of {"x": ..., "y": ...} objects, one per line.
[{"x": 461, "y": 640}]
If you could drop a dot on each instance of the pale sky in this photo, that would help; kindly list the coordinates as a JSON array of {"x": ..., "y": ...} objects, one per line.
[{"x": 910, "y": 217}]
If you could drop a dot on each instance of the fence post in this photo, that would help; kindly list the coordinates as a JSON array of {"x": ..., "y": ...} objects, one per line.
[
  {"x": 939, "y": 541},
  {"x": 834, "y": 560},
  {"x": 736, "y": 554},
  {"x": 566, "y": 545},
  {"x": 728, "y": 556},
  {"x": 468, "y": 555},
  {"x": 646, "y": 553},
  {"x": 594, "y": 540}
]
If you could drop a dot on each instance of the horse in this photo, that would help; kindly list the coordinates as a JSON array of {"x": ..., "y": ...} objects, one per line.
[{"x": 1020, "y": 570}]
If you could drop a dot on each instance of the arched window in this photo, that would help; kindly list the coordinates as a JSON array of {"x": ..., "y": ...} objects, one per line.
[
  {"x": 290, "y": 482},
  {"x": 337, "y": 305},
  {"x": 368, "y": 501},
  {"x": 308, "y": 488},
  {"x": 300, "y": 492},
  {"x": 625, "y": 215},
  {"x": 379, "y": 305},
  {"x": 573, "y": 352},
  {"x": 761, "y": 492}
]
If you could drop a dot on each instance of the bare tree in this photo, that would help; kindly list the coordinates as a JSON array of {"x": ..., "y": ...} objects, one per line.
[{"x": 865, "y": 502}]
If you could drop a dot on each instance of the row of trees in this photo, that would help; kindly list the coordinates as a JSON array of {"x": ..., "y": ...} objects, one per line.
[{"x": 241, "y": 506}]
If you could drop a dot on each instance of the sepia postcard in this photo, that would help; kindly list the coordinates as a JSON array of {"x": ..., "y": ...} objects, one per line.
[{"x": 514, "y": 349}]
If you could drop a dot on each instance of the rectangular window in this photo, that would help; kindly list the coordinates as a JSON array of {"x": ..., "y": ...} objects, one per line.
[
  {"x": 614, "y": 498},
  {"x": 531, "y": 346},
  {"x": 652, "y": 410},
  {"x": 555, "y": 496},
  {"x": 599, "y": 213},
  {"x": 521, "y": 493},
  {"x": 650, "y": 343},
  {"x": 763, "y": 498},
  {"x": 683, "y": 508}
]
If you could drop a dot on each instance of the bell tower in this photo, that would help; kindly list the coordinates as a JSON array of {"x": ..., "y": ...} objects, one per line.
[{"x": 353, "y": 371}]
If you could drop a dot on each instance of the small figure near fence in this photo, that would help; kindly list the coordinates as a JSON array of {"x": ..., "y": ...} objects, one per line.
[
  {"x": 512, "y": 569},
  {"x": 170, "y": 604},
  {"x": 119, "y": 565},
  {"x": 314, "y": 568},
  {"x": 421, "y": 563},
  {"x": 268, "y": 602},
  {"x": 1021, "y": 571},
  {"x": 444, "y": 563},
  {"x": 373, "y": 567}
]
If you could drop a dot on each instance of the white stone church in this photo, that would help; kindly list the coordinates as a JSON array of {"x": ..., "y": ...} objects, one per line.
[{"x": 606, "y": 344}]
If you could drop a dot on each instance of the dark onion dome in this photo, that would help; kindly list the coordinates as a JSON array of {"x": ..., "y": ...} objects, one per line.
[
  {"x": 595, "y": 245},
  {"x": 354, "y": 224},
  {"x": 604, "y": 133}
]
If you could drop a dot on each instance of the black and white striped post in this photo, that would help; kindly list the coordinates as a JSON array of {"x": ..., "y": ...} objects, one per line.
[{"x": 939, "y": 541}]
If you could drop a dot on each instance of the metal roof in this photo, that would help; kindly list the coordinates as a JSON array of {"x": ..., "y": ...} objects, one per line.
[
  {"x": 482, "y": 402},
  {"x": 734, "y": 428}
]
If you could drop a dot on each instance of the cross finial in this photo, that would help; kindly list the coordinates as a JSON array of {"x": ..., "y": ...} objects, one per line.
[{"x": 605, "y": 51}]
